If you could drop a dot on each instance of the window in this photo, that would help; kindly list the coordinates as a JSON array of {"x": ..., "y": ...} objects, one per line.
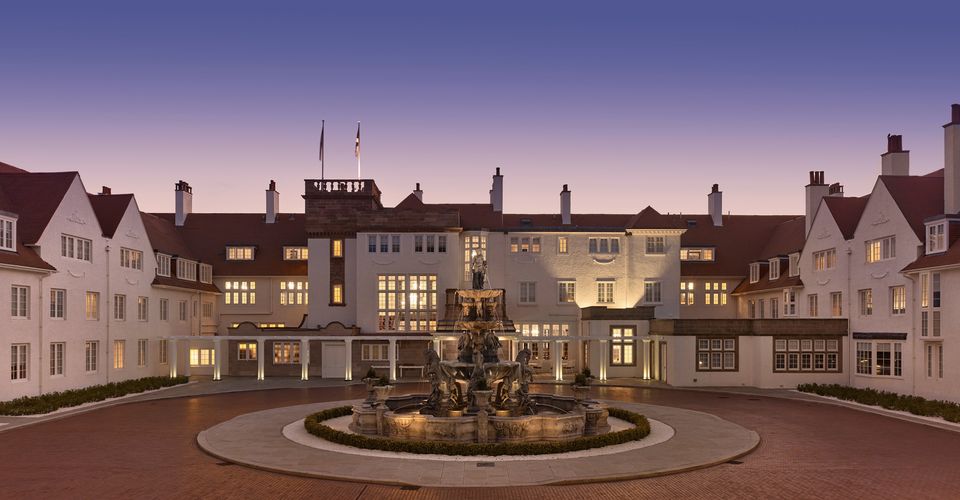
[
  {"x": 716, "y": 293},
  {"x": 542, "y": 350},
  {"x": 142, "y": 352},
  {"x": 163, "y": 352},
  {"x": 567, "y": 292},
  {"x": 240, "y": 253},
  {"x": 751, "y": 309},
  {"x": 336, "y": 248},
  {"x": 473, "y": 245},
  {"x": 924, "y": 290},
  {"x": 374, "y": 352},
  {"x": 655, "y": 245},
  {"x": 207, "y": 309},
  {"x": 790, "y": 302},
  {"x": 163, "y": 265},
  {"x": 441, "y": 243},
  {"x": 888, "y": 357},
  {"x": 164, "y": 309},
  {"x": 924, "y": 323},
  {"x": 623, "y": 346},
  {"x": 866, "y": 301},
  {"x": 56, "y": 358},
  {"x": 294, "y": 293},
  {"x": 936, "y": 323},
  {"x": 247, "y": 351},
  {"x": 528, "y": 292},
  {"x": 836, "y": 304},
  {"x": 336, "y": 294},
  {"x": 390, "y": 243},
  {"x": 19, "y": 302},
  {"x": 120, "y": 307},
  {"x": 240, "y": 292},
  {"x": 935, "y": 280},
  {"x": 605, "y": 292},
  {"x": 91, "y": 350},
  {"x": 562, "y": 245},
  {"x": 825, "y": 259},
  {"x": 686, "y": 293},
  {"x": 697, "y": 254},
  {"x": 131, "y": 259},
  {"x": 716, "y": 354},
  {"x": 774, "y": 266},
  {"x": 143, "y": 308},
  {"x": 119, "y": 346},
  {"x": 19, "y": 356},
  {"x": 774, "y": 308},
  {"x": 372, "y": 244},
  {"x": 881, "y": 249},
  {"x": 429, "y": 243},
  {"x": 186, "y": 270},
  {"x": 272, "y": 325},
  {"x": 206, "y": 273},
  {"x": 301, "y": 253},
  {"x": 806, "y": 354},
  {"x": 286, "y": 353},
  {"x": 794, "y": 264},
  {"x": 525, "y": 244},
  {"x": 182, "y": 309},
  {"x": 92, "y": 306},
  {"x": 201, "y": 357},
  {"x": 864, "y": 358},
  {"x": 407, "y": 302},
  {"x": 754, "y": 272},
  {"x": 604, "y": 245},
  {"x": 760, "y": 307},
  {"x": 72, "y": 247},
  {"x": 651, "y": 292},
  {"x": 898, "y": 300},
  {"x": 58, "y": 303},
  {"x": 813, "y": 309},
  {"x": 8, "y": 229},
  {"x": 936, "y": 237}
]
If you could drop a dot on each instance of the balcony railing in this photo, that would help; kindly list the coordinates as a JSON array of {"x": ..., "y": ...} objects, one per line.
[{"x": 341, "y": 187}]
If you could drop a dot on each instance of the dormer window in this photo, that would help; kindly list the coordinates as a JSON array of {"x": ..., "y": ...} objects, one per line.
[
  {"x": 240, "y": 253},
  {"x": 697, "y": 254},
  {"x": 937, "y": 237},
  {"x": 163, "y": 264},
  {"x": 794, "y": 264},
  {"x": 186, "y": 270},
  {"x": 206, "y": 273},
  {"x": 774, "y": 268},
  {"x": 8, "y": 239},
  {"x": 297, "y": 253},
  {"x": 754, "y": 272}
]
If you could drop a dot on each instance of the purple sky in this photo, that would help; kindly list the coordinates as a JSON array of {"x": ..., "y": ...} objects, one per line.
[{"x": 630, "y": 105}]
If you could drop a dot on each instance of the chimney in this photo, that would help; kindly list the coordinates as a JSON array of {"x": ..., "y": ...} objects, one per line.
[
  {"x": 835, "y": 189},
  {"x": 715, "y": 205},
  {"x": 184, "y": 195},
  {"x": 895, "y": 161},
  {"x": 565, "y": 205},
  {"x": 106, "y": 190},
  {"x": 816, "y": 190},
  {"x": 418, "y": 192},
  {"x": 273, "y": 203},
  {"x": 951, "y": 162},
  {"x": 496, "y": 193}
]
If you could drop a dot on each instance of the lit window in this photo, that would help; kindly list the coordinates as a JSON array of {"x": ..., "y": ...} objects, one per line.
[
  {"x": 131, "y": 259},
  {"x": 201, "y": 357},
  {"x": 240, "y": 292},
  {"x": 542, "y": 350},
  {"x": 336, "y": 248},
  {"x": 240, "y": 253},
  {"x": 247, "y": 351},
  {"x": 473, "y": 245},
  {"x": 898, "y": 300},
  {"x": 525, "y": 244},
  {"x": 286, "y": 353},
  {"x": 687, "y": 290},
  {"x": 812, "y": 305},
  {"x": 715, "y": 293},
  {"x": 92, "y": 306},
  {"x": 623, "y": 346},
  {"x": 697, "y": 254},
  {"x": 836, "y": 304},
  {"x": 562, "y": 244},
  {"x": 143, "y": 308},
  {"x": 300, "y": 253},
  {"x": 336, "y": 294},
  {"x": 567, "y": 292},
  {"x": 825, "y": 259},
  {"x": 407, "y": 302},
  {"x": 119, "y": 348},
  {"x": 881, "y": 249},
  {"x": 293, "y": 293}
]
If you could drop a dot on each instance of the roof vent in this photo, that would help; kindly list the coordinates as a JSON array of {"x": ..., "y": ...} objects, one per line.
[{"x": 691, "y": 223}]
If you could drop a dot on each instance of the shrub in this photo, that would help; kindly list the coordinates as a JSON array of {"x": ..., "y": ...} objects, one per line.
[
  {"x": 383, "y": 381},
  {"x": 371, "y": 373},
  {"x": 581, "y": 379},
  {"x": 46, "y": 403},
  {"x": 913, "y": 404},
  {"x": 313, "y": 424}
]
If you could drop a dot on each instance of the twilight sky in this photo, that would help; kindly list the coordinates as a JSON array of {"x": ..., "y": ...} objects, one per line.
[{"x": 629, "y": 104}]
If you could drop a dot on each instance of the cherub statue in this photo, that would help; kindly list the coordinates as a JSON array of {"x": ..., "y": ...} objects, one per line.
[{"x": 435, "y": 377}]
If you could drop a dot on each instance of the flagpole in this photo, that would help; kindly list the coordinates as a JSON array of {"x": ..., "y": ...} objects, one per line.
[
  {"x": 323, "y": 124},
  {"x": 357, "y": 150}
]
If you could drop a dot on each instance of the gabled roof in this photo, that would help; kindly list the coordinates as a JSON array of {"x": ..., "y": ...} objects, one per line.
[
  {"x": 34, "y": 197},
  {"x": 6, "y": 168},
  {"x": 110, "y": 209},
  {"x": 738, "y": 242},
  {"x": 846, "y": 213},
  {"x": 787, "y": 238},
  {"x": 208, "y": 235},
  {"x": 164, "y": 237},
  {"x": 918, "y": 197}
]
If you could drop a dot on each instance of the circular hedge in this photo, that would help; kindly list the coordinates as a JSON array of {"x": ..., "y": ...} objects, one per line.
[{"x": 313, "y": 424}]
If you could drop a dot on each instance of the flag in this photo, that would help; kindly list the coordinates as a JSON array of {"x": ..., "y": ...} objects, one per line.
[{"x": 356, "y": 146}]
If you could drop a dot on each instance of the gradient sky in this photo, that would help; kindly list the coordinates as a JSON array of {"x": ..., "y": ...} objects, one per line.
[{"x": 629, "y": 104}]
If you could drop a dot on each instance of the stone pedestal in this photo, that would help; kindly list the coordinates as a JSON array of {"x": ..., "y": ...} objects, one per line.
[
  {"x": 482, "y": 426},
  {"x": 365, "y": 420}
]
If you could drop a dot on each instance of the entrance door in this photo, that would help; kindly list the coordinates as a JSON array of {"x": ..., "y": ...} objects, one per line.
[{"x": 333, "y": 360}]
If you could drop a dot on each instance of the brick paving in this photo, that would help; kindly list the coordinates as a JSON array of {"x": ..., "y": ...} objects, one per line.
[{"x": 147, "y": 450}]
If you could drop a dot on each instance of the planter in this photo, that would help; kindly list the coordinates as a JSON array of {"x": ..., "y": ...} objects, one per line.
[
  {"x": 382, "y": 392},
  {"x": 580, "y": 392},
  {"x": 371, "y": 385},
  {"x": 481, "y": 399}
]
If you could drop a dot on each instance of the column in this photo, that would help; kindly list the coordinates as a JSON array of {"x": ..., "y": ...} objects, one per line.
[
  {"x": 217, "y": 358},
  {"x": 437, "y": 346},
  {"x": 646, "y": 359},
  {"x": 348, "y": 364},
  {"x": 557, "y": 362},
  {"x": 604, "y": 358},
  {"x": 260, "y": 356},
  {"x": 172, "y": 348},
  {"x": 304, "y": 359},
  {"x": 392, "y": 356}
]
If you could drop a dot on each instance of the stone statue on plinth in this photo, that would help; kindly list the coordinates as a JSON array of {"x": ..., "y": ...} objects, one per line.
[{"x": 478, "y": 267}]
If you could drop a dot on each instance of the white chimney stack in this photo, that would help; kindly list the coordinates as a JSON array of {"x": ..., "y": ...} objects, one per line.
[
  {"x": 418, "y": 192},
  {"x": 184, "y": 194},
  {"x": 816, "y": 190},
  {"x": 895, "y": 161},
  {"x": 951, "y": 162},
  {"x": 565, "y": 205},
  {"x": 496, "y": 193},
  {"x": 273, "y": 203},
  {"x": 715, "y": 205}
]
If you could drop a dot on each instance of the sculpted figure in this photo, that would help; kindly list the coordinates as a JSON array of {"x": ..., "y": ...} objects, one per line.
[{"x": 478, "y": 267}]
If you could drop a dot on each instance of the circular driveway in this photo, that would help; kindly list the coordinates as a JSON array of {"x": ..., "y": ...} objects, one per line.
[{"x": 807, "y": 450}]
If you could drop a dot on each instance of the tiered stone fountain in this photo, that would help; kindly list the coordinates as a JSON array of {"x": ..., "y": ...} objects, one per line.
[{"x": 478, "y": 397}]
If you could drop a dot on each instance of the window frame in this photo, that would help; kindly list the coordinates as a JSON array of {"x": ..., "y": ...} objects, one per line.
[
  {"x": 706, "y": 346},
  {"x": 808, "y": 353},
  {"x": 8, "y": 233},
  {"x": 623, "y": 341}
]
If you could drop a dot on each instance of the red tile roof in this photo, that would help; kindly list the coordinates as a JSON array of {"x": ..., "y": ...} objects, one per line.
[
  {"x": 918, "y": 197},
  {"x": 846, "y": 213},
  {"x": 165, "y": 238},
  {"x": 189, "y": 285},
  {"x": 34, "y": 197},
  {"x": 110, "y": 209},
  {"x": 764, "y": 284},
  {"x": 741, "y": 240},
  {"x": 6, "y": 168}
]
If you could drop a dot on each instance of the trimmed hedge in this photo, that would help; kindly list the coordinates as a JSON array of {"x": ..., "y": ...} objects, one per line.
[
  {"x": 314, "y": 426},
  {"x": 46, "y": 403},
  {"x": 889, "y": 400}
]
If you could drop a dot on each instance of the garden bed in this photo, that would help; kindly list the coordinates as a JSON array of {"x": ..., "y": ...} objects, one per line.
[
  {"x": 46, "y": 403},
  {"x": 888, "y": 400}
]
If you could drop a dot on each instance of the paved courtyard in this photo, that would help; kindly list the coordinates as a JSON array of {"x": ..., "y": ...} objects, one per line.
[{"x": 147, "y": 449}]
